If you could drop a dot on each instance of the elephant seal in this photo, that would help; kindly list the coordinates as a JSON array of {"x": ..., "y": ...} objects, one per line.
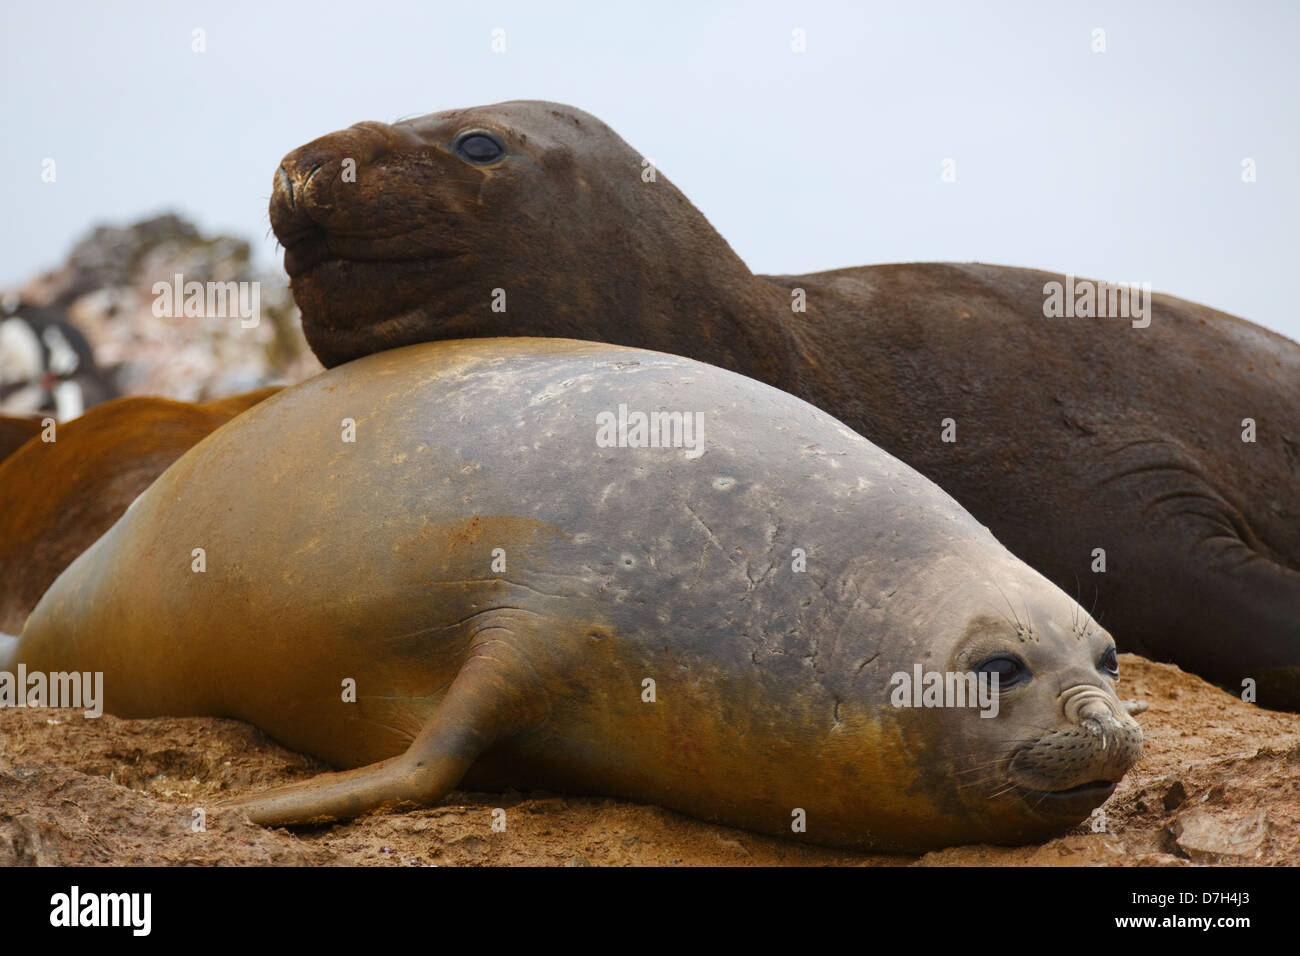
[
  {"x": 1110, "y": 457},
  {"x": 16, "y": 431},
  {"x": 61, "y": 495},
  {"x": 524, "y": 593}
]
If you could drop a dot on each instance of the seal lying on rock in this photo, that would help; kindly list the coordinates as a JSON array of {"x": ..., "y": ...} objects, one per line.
[
  {"x": 61, "y": 495},
  {"x": 16, "y": 431},
  {"x": 1110, "y": 457},
  {"x": 490, "y": 562}
]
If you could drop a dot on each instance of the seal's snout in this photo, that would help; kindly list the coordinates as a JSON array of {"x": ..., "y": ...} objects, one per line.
[
  {"x": 335, "y": 199},
  {"x": 317, "y": 185},
  {"x": 305, "y": 207},
  {"x": 1069, "y": 771},
  {"x": 1085, "y": 704},
  {"x": 1116, "y": 735}
]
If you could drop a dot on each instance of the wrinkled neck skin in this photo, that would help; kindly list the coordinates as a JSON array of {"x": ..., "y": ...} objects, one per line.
[
  {"x": 690, "y": 295},
  {"x": 654, "y": 296}
]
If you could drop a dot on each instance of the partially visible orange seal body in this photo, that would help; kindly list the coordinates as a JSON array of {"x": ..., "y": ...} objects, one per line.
[
  {"x": 1152, "y": 471},
  {"x": 469, "y": 561},
  {"x": 61, "y": 494},
  {"x": 16, "y": 432}
]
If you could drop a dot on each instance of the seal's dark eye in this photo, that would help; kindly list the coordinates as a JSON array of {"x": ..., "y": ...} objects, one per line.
[
  {"x": 479, "y": 147},
  {"x": 1109, "y": 663},
  {"x": 1009, "y": 668}
]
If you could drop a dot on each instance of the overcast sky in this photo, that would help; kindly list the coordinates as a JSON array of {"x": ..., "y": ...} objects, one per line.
[{"x": 1124, "y": 165}]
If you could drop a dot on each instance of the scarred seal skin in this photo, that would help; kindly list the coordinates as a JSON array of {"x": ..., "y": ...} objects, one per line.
[
  {"x": 60, "y": 495},
  {"x": 1071, "y": 434},
  {"x": 501, "y": 583}
]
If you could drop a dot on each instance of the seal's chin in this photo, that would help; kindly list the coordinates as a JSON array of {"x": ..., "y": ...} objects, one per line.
[
  {"x": 354, "y": 291},
  {"x": 1073, "y": 803},
  {"x": 338, "y": 342}
]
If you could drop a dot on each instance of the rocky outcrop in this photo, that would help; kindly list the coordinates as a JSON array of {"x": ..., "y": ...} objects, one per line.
[{"x": 109, "y": 289}]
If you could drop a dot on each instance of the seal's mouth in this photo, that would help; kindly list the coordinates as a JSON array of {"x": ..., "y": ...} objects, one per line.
[
  {"x": 316, "y": 254},
  {"x": 1072, "y": 801},
  {"x": 303, "y": 255},
  {"x": 1089, "y": 788}
]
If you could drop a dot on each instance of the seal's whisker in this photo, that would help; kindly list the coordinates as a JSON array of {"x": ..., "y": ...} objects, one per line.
[
  {"x": 1096, "y": 596},
  {"x": 978, "y": 768},
  {"x": 1009, "y": 605}
]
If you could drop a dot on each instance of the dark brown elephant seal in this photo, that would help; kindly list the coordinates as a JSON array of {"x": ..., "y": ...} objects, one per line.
[
  {"x": 59, "y": 496},
  {"x": 520, "y": 605},
  {"x": 1076, "y": 439}
]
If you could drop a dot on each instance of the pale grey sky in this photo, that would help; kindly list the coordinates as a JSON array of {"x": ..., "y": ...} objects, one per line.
[{"x": 1123, "y": 165}]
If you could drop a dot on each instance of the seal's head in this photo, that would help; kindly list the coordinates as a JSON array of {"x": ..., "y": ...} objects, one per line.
[
  {"x": 1045, "y": 748},
  {"x": 991, "y": 691},
  {"x": 522, "y": 218},
  {"x": 1066, "y": 737}
]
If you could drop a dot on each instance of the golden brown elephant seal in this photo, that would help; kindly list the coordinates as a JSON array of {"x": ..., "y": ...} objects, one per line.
[
  {"x": 16, "y": 431},
  {"x": 565, "y": 565},
  {"x": 61, "y": 495},
  {"x": 1083, "y": 443}
]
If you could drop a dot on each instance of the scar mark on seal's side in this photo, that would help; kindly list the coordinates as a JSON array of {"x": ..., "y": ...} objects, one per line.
[
  {"x": 707, "y": 530},
  {"x": 742, "y": 568},
  {"x": 869, "y": 660},
  {"x": 718, "y": 544},
  {"x": 516, "y": 584},
  {"x": 814, "y": 649}
]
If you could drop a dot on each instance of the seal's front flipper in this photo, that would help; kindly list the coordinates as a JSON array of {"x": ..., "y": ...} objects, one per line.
[
  {"x": 1260, "y": 606},
  {"x": 484, "y": 704},
  {"x": 1236, "y": 622}
]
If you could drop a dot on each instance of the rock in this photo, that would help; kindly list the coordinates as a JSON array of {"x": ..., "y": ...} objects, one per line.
[
  {"x": 1205, "y": 840},
  {"x": 106, "y": 287}
]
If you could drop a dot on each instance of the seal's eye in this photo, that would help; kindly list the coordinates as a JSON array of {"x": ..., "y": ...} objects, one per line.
[
  {"x": 1009, "y": 668},
  {"x": 479, "y": 147},
  {"x": 1109, "y": 663}
]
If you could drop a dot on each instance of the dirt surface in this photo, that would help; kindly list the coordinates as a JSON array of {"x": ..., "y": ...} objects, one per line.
[{"x": 1219, "y": 784}]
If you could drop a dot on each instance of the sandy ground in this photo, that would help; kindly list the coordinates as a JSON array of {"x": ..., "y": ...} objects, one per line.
[{"x": 1219, "y": 784}]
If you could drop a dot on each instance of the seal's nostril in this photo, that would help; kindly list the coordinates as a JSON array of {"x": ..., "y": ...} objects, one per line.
[
  {"x": 1097, "y": 725},
  {"x": 284, "y": 184},
  {"x": 291, "y": 181}
]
